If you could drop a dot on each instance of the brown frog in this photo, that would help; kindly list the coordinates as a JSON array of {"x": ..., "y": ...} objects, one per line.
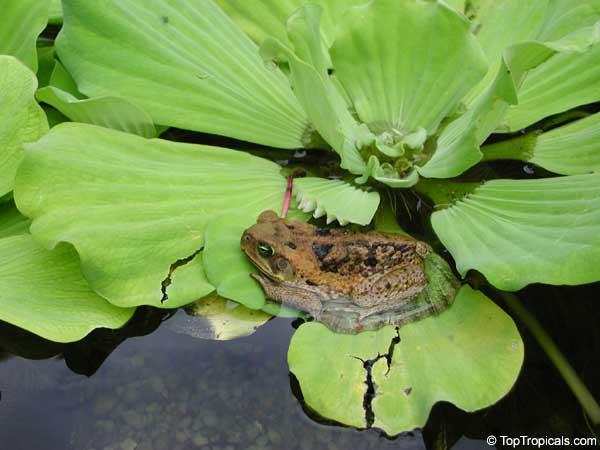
[{"x": 349, "y": 281}]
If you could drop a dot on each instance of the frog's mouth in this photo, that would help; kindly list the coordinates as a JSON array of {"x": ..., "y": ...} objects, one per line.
[
  {"x": 262, "y": 267},
  {"x": 266, "y": 273}
]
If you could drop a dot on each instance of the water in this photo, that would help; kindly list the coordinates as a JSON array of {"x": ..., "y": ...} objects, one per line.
[{"x": 167, "y": 390}]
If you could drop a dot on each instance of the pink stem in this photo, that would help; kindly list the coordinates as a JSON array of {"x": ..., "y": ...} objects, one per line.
[{"x": 288, "y": 196}]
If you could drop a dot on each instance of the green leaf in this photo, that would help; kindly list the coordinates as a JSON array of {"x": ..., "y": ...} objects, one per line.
[
  {"x": 136, "y": 209},
  {"x": 266, "y": 18},
  {"x": 518, "y": 232},
  {"x": 469, "y": 355},
  {"x": 330, "y": 371},
  {"x": 325, "y": 106},
  {"x": 519, "y": 36},
  {"x": 185, "y": 63},
  {"x": 21, "y": 118},
  {"x": 336, "y": 199},
  {"x": 20, "y": 24},
  {"x": 107, "y": 111},
  {"x": 218, "y": 319},
  {"x": 12, "y": 222},
  {"x": 564, "y": 81},
  {"x": 55, "y": 12},
  {"x": 569, "y": 150},
  {"x": 396, "y": 78},
  {"x": 44, "y": 292},
  {"x": 228, "y": 268}
]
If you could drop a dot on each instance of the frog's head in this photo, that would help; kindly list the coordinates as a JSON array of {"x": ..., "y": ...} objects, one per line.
[{"x": 265, "y": 245}]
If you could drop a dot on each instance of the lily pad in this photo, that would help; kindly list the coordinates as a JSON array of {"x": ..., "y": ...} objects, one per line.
[
  {"x": 21, "y": 23},
  {"x": 188, "y": 65},
  {"x": 136, "y": 209},
  {"x": 43, "y": 292},
  {"x": 518, "y": 232},
  {"x": 336, "y": 199},
  {"x": 219, "y": 319},
  {"x": 21, "y": 118},
  {"x": 469, "y": 355}
]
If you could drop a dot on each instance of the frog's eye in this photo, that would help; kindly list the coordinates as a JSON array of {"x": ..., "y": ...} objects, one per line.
[{"x": 265, "y": 250}]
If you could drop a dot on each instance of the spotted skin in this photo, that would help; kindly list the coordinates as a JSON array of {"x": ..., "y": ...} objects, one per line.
[{"x": 349, "y": 281}]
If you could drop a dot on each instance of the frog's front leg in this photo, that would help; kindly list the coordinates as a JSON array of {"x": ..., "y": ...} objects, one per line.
[{"x": 302, "y": 297}]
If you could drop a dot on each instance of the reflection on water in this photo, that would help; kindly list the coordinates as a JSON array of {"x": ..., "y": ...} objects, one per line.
[
  {"x": 148, "y": 387},
  {"x": 171, "y": 391}
]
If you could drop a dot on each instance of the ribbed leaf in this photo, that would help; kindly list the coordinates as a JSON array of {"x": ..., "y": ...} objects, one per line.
[
  {"x": 518, "y": 232},
  {"x": 324, "y": 104},
  {"x": 406, "y": 65},
  {"x": 21, "y": 118},
  {"x": 185, "y": 62},
  {"x": 21, "y": 21},
  {"x": 470, "y": 355},
  {"x": 336, "y": 199},
  {"x": 521, "y": 36},
  {"x": 266, "y": 18},
  {"x": 569, "y": 150},
  {"x": 44, "y": 292},
  {"x": 135, "y": 209},
  {"x": 107, "y": 111},
  {"x": 564, "y": 81}
]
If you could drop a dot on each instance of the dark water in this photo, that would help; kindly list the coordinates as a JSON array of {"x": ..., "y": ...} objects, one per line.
[{"x": 165, "y": 390}]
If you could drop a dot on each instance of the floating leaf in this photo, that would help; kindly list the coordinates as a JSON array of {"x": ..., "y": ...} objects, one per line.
[
  {"x": 469, "y": 355},
  {"x": 107, "y": 111},
  {"x": 136, "y": 209},
  {"x": 336, "y": 199},
  {"x": 44, "y": 292},
  {"x": 518, "y": 232},
  {"x": 218, "y": 319},
  {"x": 21, "y": 118},
  {"x": 20, "y": 24},
  {"x": 569, "y": 150},
  {"x": 187, "y": 65}
]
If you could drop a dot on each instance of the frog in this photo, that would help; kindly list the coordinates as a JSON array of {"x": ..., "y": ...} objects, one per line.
[{"x": 349, "y": 281}]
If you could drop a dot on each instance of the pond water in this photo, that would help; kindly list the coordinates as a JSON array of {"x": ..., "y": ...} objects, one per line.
[{"x": 168, "y": 390}]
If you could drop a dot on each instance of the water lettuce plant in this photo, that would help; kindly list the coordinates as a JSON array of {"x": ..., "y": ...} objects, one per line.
[{"x": 405, "y": 96}]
